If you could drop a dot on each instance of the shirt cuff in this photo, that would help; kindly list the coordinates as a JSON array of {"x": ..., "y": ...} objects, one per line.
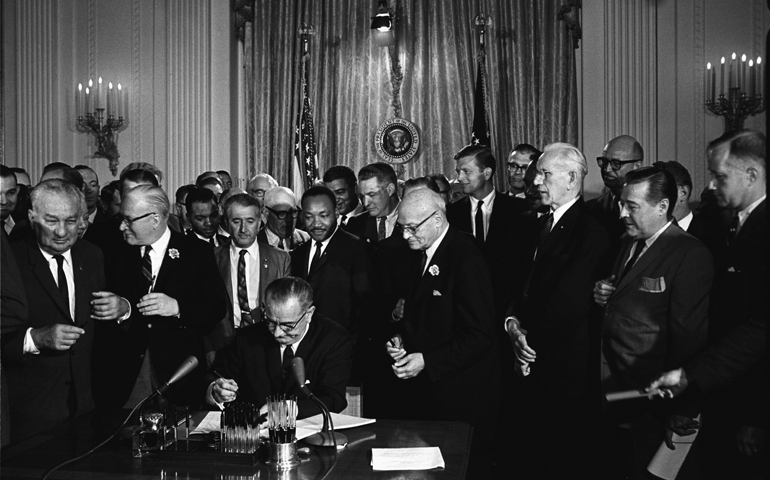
[
  {"x": 127, "y": 315},
  {"x": 29, "y": 344},
  {"x": 210, "y": 397},
  {"x": 514, "y": 322}
]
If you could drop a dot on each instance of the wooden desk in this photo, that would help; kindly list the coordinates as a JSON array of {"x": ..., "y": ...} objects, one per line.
[{"x": 30, "y": 459}]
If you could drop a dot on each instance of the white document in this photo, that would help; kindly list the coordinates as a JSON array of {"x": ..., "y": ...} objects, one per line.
[
  {"x": 212, "y": 422},
  {"x": 666, "y": 463},
  {"x": 419, "y": 458}
]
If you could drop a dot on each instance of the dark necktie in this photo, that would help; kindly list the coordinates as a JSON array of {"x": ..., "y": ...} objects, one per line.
[
  {"x": 381, "y": 231},
  {"x": 480, "y": 222},
  {"x": 733, "y": 233},
  {"x": 147, "y": 268},
  {"x": 344, "y": 220},
  {"x": 637, "y": 251},
  {"x": 316, "y": 258},
  {"x": 288, "y": 356},
  {"x": 212, "y": 242},
  {"x": 545, "y": 228},
  {"x": 62, "y": 280},
  {"x": 423, "y": 262},
  {"x": 243, "y": 291},
  {"x": 281, "y": 245}
]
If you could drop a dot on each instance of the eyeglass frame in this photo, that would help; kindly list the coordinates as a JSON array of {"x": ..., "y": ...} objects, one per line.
[
  {"x": 517, "y": 167},
  {"x": 285, "y": 327},
  {"x": 412, "y": 231},
  {"x": 294, "y": 212},
  {"x": 615, "y": 163},
  {"x": 130, "y": 221}
]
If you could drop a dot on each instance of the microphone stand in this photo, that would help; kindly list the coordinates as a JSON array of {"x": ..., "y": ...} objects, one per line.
[{"x": 327, "y": 437}]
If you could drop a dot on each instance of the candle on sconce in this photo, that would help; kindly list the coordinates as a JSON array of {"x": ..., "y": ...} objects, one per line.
[
  {"x": 88, "y": 101},
  {"x": 722, "y": 79},
  {"x": 751, "y": 78},
  {"x": 101, "y": 94},
  {"x": 125, "y": 104},
  {"x": 120, "y": 101},
  {"x": 79, "y": 106},
  {"x": 110, "y": 104},
  {"x": 760, "y": 77},
  {"x": 709, "y": 83},
  {"x": 743, "y": 79},
  {"x": 733, "y": 73}
]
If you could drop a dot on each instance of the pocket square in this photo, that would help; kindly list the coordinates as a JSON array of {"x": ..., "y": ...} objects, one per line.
[
  {"x": 653, "y": 285},
  {"x": 436, "y": 293},
  {"x": 732, "y": 270}
]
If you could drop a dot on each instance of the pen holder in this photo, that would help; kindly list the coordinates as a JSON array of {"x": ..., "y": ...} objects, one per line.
[
  {"x": 281, "y": 426},
  {"x": 283, "y": 456}
]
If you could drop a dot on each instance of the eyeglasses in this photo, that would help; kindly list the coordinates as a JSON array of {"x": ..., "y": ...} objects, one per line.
[
  {"x": 285, "y": 213},
  {"x": 130, "y": 221},
  {"x": 258, "y": 192},
  {"x": 512, "y": 167},
  {"x": 286, "y": 327},
  {"x": 614, "y": 163},
  {"x": 412, "y": 231}
]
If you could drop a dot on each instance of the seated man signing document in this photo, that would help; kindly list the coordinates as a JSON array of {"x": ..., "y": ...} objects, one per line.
[{"x": 258, "y": 363}]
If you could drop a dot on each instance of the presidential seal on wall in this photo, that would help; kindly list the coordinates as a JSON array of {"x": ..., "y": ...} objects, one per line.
[{"x": 397, "y": 140}]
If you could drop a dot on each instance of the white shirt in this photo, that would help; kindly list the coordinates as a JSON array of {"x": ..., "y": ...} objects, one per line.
[
  {"x": 559, "y": 212},
  {"x": 29, "y": 344},
  {"x": 430, "y": 251},
  {"x": 685, "y": 221},
  {"x": 207, "y": 240},
  {"x": 252, "y": 278},
  {"x": 157, "y": 254},
  {"x": 9, "y": 224},
  {"x": 647, "y": 243},
  {"x": 313, "y": 248},
  {"x": 343, "y": 219},
  {"x": 486, "y": 211},
  {"x": 275, "y": 240},
  {"x": 92, "y": 216},
  {"x": 744, "y": 214},
  {"x": 390, "y": 222}
]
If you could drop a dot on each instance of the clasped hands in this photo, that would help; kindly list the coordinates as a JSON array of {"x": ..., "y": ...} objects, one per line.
[
  {"x": 524, "y": 353},
  {"x": 406, "y": 365}
]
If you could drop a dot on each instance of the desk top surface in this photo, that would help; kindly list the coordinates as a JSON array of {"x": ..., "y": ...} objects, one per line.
[{"x": 30, "y": 459}]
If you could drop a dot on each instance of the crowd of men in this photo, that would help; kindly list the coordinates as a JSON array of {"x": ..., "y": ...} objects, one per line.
[{"x": 514, "y": 311}]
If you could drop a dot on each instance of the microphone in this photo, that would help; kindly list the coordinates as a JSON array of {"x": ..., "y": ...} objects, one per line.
[
  {"x": 327, "y": 437},
  {"x": 184, "y": 369}
]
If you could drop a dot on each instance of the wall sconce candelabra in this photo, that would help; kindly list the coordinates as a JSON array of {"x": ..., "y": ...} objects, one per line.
[
  {"x": 743, "y": 96},
  {"x": 382, "y": 25},
  {"x": 102, "y": 110}
]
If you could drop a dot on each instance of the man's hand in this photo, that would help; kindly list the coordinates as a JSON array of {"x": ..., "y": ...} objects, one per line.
[
  {"x": 750, "y": 440},
  {"x": 395, "y": 348},
  {"x": 603, "y": 289},
  {"x": 670, "y": 384},
  {"x": 680, "y": 425},
  {"x": 158, "y": 304},
  {"x": 224, "y": 390},
  {"x": 524, "y": 353},
  {"x": 108, "y": 306},
  {"x": 56, "y": 337},
  {"x": 410, "y": 366},
  {"x": 398, "y": 312}
]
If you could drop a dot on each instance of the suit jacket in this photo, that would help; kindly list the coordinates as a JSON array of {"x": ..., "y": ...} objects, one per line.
[
  {"x": 558, "y": 309},
  {"x": 501, "y": 233},
  {"x": 607, "y": 212},
  {"x": 275, "y": 264},
  {"x": 448, "y": 317},
  {"x": 193, "y": 281},
  {"x": 221, "y": 239},
  {"x": 656, "y": 318},
  {"x": 39, "y": 388},
  {"x": 253, "y": 360},
  {"x": 298, "y": 238}
]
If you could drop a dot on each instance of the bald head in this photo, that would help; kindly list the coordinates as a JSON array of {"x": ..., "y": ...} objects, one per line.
[
  {"x": 280, "y": 211},
  {"x": 423, "y": 215},
  {"x": 621, "y": 155},
  {"x": 280, "y": 196}
]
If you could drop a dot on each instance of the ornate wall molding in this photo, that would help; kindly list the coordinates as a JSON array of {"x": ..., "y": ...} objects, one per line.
[
  {"x": 698, "y": 171},
  {"x": 92, "y": 45},
  {"x": 135, "y": 90}
]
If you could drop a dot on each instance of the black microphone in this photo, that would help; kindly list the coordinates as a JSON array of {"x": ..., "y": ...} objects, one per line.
[
  {"x": 327, "y": 437},
  {"x": 184, "y": 369}
]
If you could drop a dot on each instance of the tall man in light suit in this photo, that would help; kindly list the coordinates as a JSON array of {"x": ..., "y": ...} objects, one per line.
[
  {"x": 247, "y": 268},
  {"x": 656, "y": 310},
  {"x": 551, "y": 323},
  {"x": 445, "y": 350},
  {"x": 176, "y": 296}
]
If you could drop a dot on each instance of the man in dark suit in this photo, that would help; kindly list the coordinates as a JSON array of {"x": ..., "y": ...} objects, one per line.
[
  {"x": 340, "y": 269},
  {"x": 247, "y": 268},
  {"x": 378, "y": 185},
  {"x": 53, "y": 381},
  {"x": 519, "y": 159},
  {"x": 656, "y": 310},
  {"x": 445, "y": 350},
  {"x": 176, "y": 295},
  {"x": 341, "y": 180},
  {"x": 621, "y": 155},
  {"x": 258, "y": 363},
  {"x": 204, "y": 217},
  {"x": 279, "y": 217},
  {"x": 486, "y": 214},
  {"x": 9, "y": 190},
  {"x": 91, "y": 191},
  {"x": 552, "y": 323}
]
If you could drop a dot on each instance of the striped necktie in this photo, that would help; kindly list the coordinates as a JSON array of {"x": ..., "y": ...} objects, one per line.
[{"x": 147, "y": 267}]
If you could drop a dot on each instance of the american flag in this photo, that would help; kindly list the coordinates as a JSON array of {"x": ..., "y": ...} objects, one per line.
[
  {"x": 480, "y": 129},
  {"x": 304, "y": 139}
]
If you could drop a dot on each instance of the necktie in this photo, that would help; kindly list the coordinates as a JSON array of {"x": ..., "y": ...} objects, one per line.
[
  {"x": 288, "y": 356},
  {"x": 344, "y": 220},
  {"x": 280, "y": 245},
  {"x": 212, "y": 242},
  {"x": 423, "y": 262},
  {"x": 316, "y": 258},
  {"x": 637, "y": 251},
  {"x": 734, "y": 225},
  {"x": 545, "y": 229},
  {"x": 480, "y": 222},
  {"x": 147, "y": 268},
  {"x": 62, "y": 280},
  {"x": 381, "y": 232},
  {"x": 243, "y": 292}
]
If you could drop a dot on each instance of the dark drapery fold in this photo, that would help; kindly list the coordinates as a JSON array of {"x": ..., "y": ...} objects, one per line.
[{"x": 531, "y": 75}]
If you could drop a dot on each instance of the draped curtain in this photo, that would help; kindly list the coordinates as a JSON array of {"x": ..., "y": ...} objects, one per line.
[{"x": 530, "y": 61}]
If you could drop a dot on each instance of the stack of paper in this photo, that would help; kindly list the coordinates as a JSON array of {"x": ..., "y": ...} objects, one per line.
[{"x": 418, "y": 458}]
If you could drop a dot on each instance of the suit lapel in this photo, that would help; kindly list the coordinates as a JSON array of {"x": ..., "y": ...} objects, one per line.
[
  {"x": 223, "y": 262},
  {"x": 371, "y": 229},
  {"x": 331, "y": 248},
  {"x": 427, "y": 279},
  {"x": 652, "y": 253},
  {"x": 82, "y": 293},
  {"x": 274, "y": 367},
  {"x": 45, "y": 277},
  {"x": 168, "y": 264}
]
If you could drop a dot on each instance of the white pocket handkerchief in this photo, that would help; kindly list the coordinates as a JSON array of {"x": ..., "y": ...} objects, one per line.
[
  {"x": 436, "y": 293},
  {"x": 653, "y": 285}
]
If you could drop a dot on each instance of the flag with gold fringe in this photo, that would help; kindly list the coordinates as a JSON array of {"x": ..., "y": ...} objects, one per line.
[
  {"x": 304, "y": 138},
  {"x": 480, "y": 129}
]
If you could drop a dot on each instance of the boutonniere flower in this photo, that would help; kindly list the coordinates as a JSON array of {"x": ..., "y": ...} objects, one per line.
[
  {"x": 173, "y": 253},
  {"x": 433, "y": 270}
]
